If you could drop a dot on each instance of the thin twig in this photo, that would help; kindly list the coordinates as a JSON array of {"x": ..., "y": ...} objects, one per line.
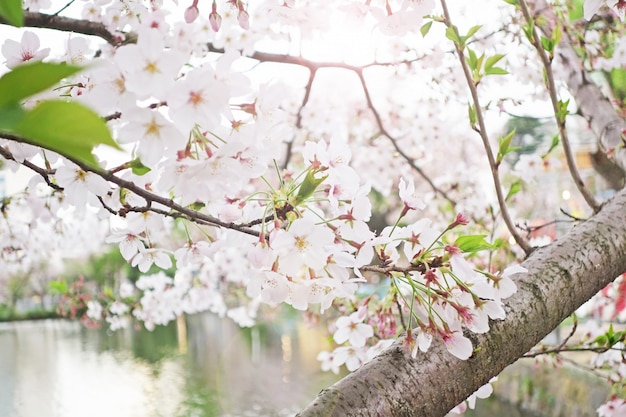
[
  {"x": 482, "y": 131},
  {"x": 394, "y": 142},
  {"x": 44, "y": 173},
  {"x": 560, "y": 121}
]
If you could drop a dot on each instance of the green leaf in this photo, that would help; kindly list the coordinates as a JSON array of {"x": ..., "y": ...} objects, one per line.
[
  {"x": 504, "y": 145},
  {"x": 29, "y": 79},
  {"x": 528, "y": 31},
  {"x": 10, "y": 115},
  {"x": 496, "y": 71},
  {"x": 473, "y": 243},
  {"x": 576, "y": 10},
  {"x": 516, "y": 187},
  {"x": 617, "y": 81},
  {"x": 426, "y": 28},
  {"x": 512, "y": 2},
  {"x": 308, "y": 186},
  {"x": 473, "y": 116},
  {"x": 197, "y": 205},
  {"x": 472, "y": 31},
  {"x": 453, "y": 35},
  {"x": 479, "y": 64},
  {"x": 12, "y": 11},
  {"x": 547, "y": 44},
  {"x": 68, "y": 128},
  {"x": 556, "y": 35},
  {"x": 472, "y": 59},
  {"x": 138, "y": 168},
  {"x": 57, "y": 287},
  {"x": 492, "y": 60},
  {"x": 554, "y": 144},
  {"x": 562, "y": 111}
]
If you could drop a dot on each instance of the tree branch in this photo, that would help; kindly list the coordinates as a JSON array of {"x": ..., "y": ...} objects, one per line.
[
  {"x": 560, "y": 278},
  {"x": 68, "y": 24},
  {"x": 177, "y": 211},
  {"x": 559, "y": 118},
  {"x": 605, "y": 122},
  {"x": 482, "y": 131}
]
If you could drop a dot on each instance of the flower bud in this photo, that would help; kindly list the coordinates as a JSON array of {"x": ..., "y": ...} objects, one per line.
[
  {"x": 244, "y": 19},
  {"x": 191, "y": 13},
  {"x": 215, "y": 20}
]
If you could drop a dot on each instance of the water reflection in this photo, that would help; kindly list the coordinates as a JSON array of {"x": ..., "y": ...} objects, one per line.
[{"x": 58, "y": 368}]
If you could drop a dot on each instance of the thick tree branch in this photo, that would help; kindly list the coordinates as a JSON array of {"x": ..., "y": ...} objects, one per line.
[
  {"x": 68, "y": 24},
  {"x": 560, "y": 278}
]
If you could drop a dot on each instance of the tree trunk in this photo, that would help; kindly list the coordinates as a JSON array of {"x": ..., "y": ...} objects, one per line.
[{"x": 560, "y": 278}]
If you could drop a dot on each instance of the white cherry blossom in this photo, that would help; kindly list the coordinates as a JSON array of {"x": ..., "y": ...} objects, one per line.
[{"x": 27, "y": 50}]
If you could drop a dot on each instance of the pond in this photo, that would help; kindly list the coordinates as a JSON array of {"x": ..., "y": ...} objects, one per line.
[
  {"x": 58, "y": 368},
  {"x": 206, "y": 367}
]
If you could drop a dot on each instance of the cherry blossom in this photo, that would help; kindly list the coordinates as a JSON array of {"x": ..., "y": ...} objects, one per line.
[
  {"x": 26, "y": 50},
  {"x": 613, "y": 408},
  {"x": 304, "y": 244},
  {"x": 409, "y": 196},
  {"x": 80, "y": 186},
  {"x": 149, "y": 71},
  {"x": 353, "y": 330}
]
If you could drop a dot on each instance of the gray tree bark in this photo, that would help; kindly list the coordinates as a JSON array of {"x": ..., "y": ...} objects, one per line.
[{"x": 560, "y": 278}]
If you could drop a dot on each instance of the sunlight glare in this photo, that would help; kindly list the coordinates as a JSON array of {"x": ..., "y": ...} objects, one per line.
[{"x": 345, "y": 40}]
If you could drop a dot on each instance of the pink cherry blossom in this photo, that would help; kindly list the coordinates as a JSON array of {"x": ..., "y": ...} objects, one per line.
[
  {"x": 303, "y": 245},
  {"x": 352, "y": 329},
  {"x": 614, "y": 408},
  {"x": 27, "y": 50},
  {"x": 458, "y": 345},
  {"x": 409, "y": 196},
  {"x": 149, "y": 70}
]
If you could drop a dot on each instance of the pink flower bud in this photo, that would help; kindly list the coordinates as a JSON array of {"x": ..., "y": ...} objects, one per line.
[
  {"x": 191, "y": 14},
  {"x": 216, "y": 21},
  {"x": 244, "y": 19}
]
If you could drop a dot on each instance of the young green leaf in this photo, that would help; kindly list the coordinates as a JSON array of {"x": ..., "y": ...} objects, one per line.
[
  {"x": 29, "y": 79},
  {"x": 562, "y": 109},
  {"x": 472, "y": 243},
  {"x": 138, "y": 168},
  {"x": 504, "y": 145},
  {"x": 58, "y": 287},
  {"x": 472, "y": 59},
  {"x": 453, "y": 35},
  {"x": 554, "y": 144},
  {"x": 496, "y": 71},
  {"x": 492, "y": 60},
  {"x": 69, "y": 128},
  {"x": 12, "y": 11},
  {"x": 308, "y": 186},
  {"x": 473, "y": 116},
  {"x": 472, "y": 31},
  {"x": 548, "y": 45},
  {"x": 516, "y": 187},
  {"x": 576, "y": 10},
  {"x": 426, "y": 28}
]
